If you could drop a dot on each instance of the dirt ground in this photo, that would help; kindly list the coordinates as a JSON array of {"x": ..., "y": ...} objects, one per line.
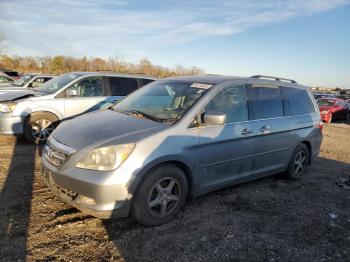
[{"x": 271, "y": 219}]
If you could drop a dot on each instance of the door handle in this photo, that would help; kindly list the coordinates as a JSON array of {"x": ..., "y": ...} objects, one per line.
[
  {"x": 246, "y": 131},
  {"x": 265, "y": 130}
]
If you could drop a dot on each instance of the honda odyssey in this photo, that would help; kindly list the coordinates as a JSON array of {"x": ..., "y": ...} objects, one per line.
[{"x": 179, "y": 138}]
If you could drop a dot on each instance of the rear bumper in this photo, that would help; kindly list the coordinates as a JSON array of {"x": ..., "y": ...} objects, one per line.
[
  {"x": 326, "y": 117},
  {"x": 11, "y": 125}
]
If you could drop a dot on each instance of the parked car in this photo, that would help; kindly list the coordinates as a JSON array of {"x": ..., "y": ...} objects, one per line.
[
  {"x": 26, "y": 81},
  {"x": 333, "y": 109},
  {"x": 178, "y": 138},
  {"x": 10, "y": 73},
  {"x": 35, "y": 113},
  {"x": 322, "y": 95},
  {"x": 5, "y": 80}
]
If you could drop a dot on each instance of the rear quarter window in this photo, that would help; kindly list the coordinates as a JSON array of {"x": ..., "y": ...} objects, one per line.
[
  {"x": 146, "y": 81},
  {"x": 299, "y": 101}
]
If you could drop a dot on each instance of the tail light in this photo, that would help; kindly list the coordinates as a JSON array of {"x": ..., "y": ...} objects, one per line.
[{"x": 320, "y": 125}]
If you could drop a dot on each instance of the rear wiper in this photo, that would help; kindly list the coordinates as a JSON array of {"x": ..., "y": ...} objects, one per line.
[{"x": 143, "y": 114}]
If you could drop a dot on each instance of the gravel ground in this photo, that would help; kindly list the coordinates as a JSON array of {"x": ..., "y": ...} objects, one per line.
[{"x": 270, "y": 219}]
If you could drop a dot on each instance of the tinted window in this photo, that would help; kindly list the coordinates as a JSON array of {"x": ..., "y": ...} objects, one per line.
[
  {"x": 231, "y": 101},
  {"x": 299, "y": 101},
  {"x": 267, "y": 102},
  {"x": 146, "y": 81},
  {"x": 122, "y": 86},
  {"x": 12, "y": 73},
  {"x": 88, "y": 87}
]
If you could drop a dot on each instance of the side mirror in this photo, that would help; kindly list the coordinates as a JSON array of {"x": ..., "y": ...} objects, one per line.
[
  {"x": 214, "y": 118},
  {"x": 71, "y": 92}
]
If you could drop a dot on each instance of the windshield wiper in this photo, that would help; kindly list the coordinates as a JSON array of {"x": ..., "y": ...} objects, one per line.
[{"x": 143, "y": 114}]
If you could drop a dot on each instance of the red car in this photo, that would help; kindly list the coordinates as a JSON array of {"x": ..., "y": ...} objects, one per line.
[{"x": 333, "y": 109}]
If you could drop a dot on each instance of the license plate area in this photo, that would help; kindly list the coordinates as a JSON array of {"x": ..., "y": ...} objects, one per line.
[{"x": 65, "y": 194}]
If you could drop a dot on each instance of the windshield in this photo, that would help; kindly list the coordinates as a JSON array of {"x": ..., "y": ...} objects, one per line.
[
  {"x": 57, "y": 83},
  {"x": 325, "y": 102},
  {"x": 24, "y": 79},
  {"x": 162, "y": 101}
]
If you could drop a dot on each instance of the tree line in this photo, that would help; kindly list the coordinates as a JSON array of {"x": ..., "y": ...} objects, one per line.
[{"x": 63, "y": 64}]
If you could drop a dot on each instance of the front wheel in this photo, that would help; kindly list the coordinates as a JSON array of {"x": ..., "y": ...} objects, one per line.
[
  {"x": 299, "y": 162},
  {"x": 39, "y": 126},
  {"x": 160, "y": 196}
]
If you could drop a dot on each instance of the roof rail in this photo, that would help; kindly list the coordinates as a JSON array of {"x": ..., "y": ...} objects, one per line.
[{"x": 275, "y": 78}]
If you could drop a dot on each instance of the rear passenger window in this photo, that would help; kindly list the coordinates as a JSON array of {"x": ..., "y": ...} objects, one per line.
[
  {"x": 267, "y": 102},
  {"x": 122, "y": 86},
  {"x": 299, "y": 101}
]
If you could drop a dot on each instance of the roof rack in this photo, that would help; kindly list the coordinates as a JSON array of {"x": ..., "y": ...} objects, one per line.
[{"x": 275, "y": 78}]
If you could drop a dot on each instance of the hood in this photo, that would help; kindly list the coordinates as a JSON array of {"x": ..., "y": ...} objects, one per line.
[
  {"x": 17, "y": 94},
  {"x": 101, "y": 126}
]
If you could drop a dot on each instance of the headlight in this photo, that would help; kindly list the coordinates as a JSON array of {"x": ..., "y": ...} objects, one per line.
[
  {"x": 324, "y": 112},
  {"x": 7, "y": 107},
  {"x": 106, "y": 158}
]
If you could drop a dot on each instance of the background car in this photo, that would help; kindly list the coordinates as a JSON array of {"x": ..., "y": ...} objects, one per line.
[
  {"x": 11, "y": 73},
  {"x": 35, "y": 113},
  {"x": 333, "y": 109},
  {"x": 5, "y": 80}
]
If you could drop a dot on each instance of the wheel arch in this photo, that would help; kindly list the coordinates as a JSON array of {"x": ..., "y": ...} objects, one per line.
[
  {"x": 182, "y": 165},
  {"x": 309, "y": 147}
]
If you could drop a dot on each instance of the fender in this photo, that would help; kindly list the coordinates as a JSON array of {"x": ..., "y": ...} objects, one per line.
[{"x": 191, "y": 171}]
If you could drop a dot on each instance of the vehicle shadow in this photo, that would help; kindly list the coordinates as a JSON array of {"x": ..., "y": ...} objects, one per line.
[
  {"x": 15, "y": 201},
  {"x": 248, "y": 221}
]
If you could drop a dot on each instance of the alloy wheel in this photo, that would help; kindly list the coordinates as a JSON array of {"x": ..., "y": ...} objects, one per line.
[
  {"x": 42, "y": 129},
  {"x": 299, "y": 162},
  {"x": 164, "y": 197}
]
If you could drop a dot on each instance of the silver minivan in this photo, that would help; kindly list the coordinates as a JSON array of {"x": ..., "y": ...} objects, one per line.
[
  {"x": 178, "y": 138},
  {"x": 35, "y": 113}
]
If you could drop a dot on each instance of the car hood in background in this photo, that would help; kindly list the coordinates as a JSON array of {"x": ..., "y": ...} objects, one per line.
[
  {"x": 18, "y": 94},
  {"x": 104, "y": 125}
]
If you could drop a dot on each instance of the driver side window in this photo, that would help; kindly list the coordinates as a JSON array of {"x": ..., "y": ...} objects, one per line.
[
  {"x": 231, "y": 101},
  {"x": 87, "y": 87}
]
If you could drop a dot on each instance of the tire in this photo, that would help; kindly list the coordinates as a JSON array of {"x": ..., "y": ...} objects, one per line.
[
  {"x": 299, "y": 162},
  {"x": 153, "y": 204},
  {"x": 39, "y": 126}
]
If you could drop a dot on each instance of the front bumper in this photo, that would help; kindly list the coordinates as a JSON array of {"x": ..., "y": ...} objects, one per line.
[
  {"x": 99, "y": 197},
  {"x": 11, "y": 125}
]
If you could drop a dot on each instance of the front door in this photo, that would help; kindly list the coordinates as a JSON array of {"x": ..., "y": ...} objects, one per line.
[
  {"x": 84, "y": 96},
  {"x": 225, "y": 150}
]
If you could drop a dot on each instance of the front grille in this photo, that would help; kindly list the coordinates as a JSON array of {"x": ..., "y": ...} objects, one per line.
[{"x": 54, "y": 156}]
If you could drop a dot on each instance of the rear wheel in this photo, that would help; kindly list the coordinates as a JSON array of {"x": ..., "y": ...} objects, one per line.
[
  {"x": 299, "y": 162},
  {"x": 160, "y": 196},
  {"x": 39, "y": 126}
]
